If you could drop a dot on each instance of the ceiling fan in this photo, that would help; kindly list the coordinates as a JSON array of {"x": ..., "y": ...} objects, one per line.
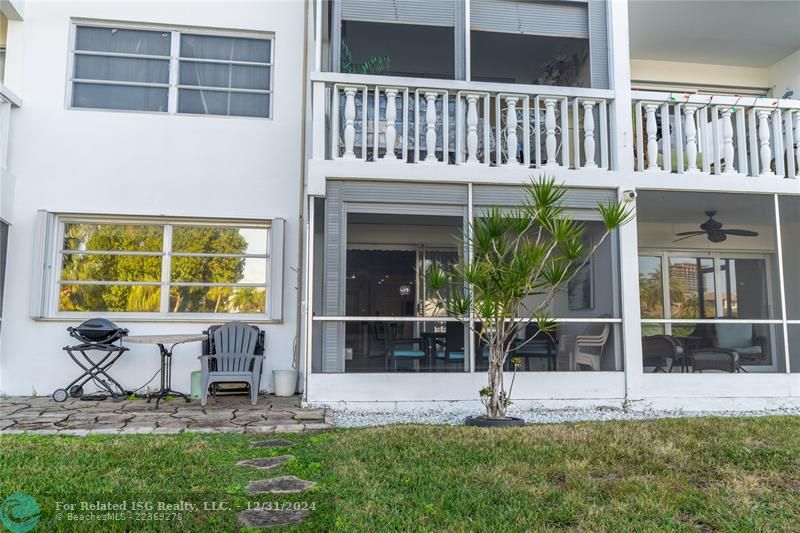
[{"x": 713, "y": 229}]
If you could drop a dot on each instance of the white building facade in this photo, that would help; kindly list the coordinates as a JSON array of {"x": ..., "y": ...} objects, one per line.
[
  {"x": 169, "y": 134},
  {"x": 298, "y": 165}
]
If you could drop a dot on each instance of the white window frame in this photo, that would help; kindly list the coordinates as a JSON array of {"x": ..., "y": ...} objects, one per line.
[
  {"x": 174, "y": 66},
  {"x": 50, "y": 238}
]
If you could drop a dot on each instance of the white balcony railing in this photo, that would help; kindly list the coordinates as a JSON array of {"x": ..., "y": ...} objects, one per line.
[
  {"x": 727, "y": 135},
  {"x": 390, "y": 120}
]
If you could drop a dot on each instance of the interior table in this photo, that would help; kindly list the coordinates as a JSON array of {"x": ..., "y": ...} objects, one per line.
[{"x": 162, "y": 341}]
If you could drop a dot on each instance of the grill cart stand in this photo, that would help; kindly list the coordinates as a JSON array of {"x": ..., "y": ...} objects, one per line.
[{"x": 96, "y": 335}]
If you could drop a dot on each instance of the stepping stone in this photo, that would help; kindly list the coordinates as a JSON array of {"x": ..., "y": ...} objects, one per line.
[
  {"x": 279, "y": 485},
  {"x": 272, "y": 443},
  {"x": 267, "y": 518},
  {"x": 266, "y": 462}
]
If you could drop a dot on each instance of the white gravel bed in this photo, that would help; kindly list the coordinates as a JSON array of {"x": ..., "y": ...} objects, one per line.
[{"x": 454, "y": 414}]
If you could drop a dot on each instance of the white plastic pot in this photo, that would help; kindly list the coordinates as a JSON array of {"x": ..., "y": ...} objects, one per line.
[{"x": 285, "y": 382}]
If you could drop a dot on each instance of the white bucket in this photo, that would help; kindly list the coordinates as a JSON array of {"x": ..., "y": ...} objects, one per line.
[{"x": 285, "y": 382}]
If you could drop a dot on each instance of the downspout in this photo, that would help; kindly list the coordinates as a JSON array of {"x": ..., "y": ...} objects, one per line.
[{"x": 301, "y": 198}]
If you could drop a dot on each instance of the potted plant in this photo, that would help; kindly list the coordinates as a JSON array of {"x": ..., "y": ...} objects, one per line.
[{"x": 517, "y": 253}]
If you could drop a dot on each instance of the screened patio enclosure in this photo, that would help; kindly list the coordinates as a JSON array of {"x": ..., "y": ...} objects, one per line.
[
  {"x": 373, "y": 310},
  {"x": 712, "y": 296}
]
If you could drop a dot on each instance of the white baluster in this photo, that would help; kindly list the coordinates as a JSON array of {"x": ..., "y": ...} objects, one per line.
[
  {"x": 349, "y": 122},
  {"x": 727, "y": 141},
  {"x": 511, "y": 130},
  {"x": 430, "y": 128},
  {"x": 797, "y": 139},
  {"x": 765, "y": 151},
  {"x": 652, "y": 143},
  {"x": 472, "y": 129},
  {"x": 588, "y": 134},
  {"x": 391, "y": 132},
  {"x": 550, "y": 131},
  {"x": 691, "y": 139}
]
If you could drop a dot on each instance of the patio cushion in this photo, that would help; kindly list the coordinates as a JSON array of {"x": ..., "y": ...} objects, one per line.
[
  {"x": 457, "y": 355},
  {"x": 408, "y": 353},
  {"x": 751, "y": 350},
  {"x": 734, "y": 335}
]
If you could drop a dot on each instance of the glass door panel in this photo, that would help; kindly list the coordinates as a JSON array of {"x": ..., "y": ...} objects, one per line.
[
  {"x": 692, "y": 288},
  {"x": 743, "y": 288}
]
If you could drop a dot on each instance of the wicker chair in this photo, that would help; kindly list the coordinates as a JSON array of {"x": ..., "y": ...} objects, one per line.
[{"x": 661, "y": 352}]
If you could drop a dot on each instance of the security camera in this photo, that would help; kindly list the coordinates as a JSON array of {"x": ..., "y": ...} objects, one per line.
[{"x": 629, "y": 196}]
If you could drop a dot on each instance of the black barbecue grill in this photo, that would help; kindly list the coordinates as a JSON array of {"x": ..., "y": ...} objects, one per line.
[{"x": 95, "y": 354}]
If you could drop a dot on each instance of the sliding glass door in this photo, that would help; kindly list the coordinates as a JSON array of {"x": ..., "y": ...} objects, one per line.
[{"x": 700, "y": 295}]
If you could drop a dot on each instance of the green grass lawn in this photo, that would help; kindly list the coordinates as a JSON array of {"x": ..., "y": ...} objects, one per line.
[{"x": 709, "y": 474}]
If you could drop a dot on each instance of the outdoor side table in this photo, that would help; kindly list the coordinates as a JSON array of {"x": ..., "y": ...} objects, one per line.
[{"x": 162, "y": 341}]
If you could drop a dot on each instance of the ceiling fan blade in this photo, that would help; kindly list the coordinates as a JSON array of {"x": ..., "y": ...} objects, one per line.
[
  {"x": 741, "y": 232},
  {"x": 690, "y": 233},
  {"x": 693, "y": 234}
]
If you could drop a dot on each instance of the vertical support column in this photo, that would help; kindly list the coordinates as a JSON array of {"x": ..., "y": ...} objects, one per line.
[
  {"x": 727, "y": 141},
  {"x": 511, "y": 130},
  {"x": 622, "y": 159},
  {"x": 472, "y": 129},
  {"x": 318, "y": 123},
  {"x": 631, "y": 310},
  {"x": 391, "y": 131},
  {"x": 652, "y": 143},
  {"x": 550, "y": 132},
  {"x": 691, "y": 139},
  {"x": 430, "y": 127},
  {"x": 764, "y": 150},
  {"x": 349, "y": 122},
  {"x": 797, "y": 139},
  {"x": 588, "y": 134}
]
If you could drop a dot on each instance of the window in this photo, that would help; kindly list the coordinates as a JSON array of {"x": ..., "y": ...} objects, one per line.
[
  {"x": 224, "y": 76},
  {"x": 175, "y": 267},
  {"x": 168, "y": 71}
]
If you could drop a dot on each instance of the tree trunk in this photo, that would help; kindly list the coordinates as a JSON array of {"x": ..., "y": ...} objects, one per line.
[{"x": 495, "y": 407}]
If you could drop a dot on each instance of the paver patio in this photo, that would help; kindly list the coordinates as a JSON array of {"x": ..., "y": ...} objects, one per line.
[{"x": 234, "y": 414}]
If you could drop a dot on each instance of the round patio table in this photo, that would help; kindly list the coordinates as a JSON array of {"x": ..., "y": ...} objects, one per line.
[{"x": 162, "y": 341}]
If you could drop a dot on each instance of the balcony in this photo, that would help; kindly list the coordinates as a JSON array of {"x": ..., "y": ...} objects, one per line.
[
  {"x": 716, "y": 135},
  {"x": 393, "y": 121}
]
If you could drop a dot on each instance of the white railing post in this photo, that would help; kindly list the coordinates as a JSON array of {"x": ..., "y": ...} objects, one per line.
[
  {"x": 550, "y": 131},
  {"x": 797, "y": 141},
  {"x": 588, "y": 134},
  {"x": 652, "y": 143},
  {"x": 727, "y": 141},
  {"x": 511, "y": 130},
  {"x": 390, "y": 136},
  {"x": 430, "y": 127},
  {"x": 765, "y": 151},
  {"x": 349, "y": 122},
  {"x": 691, "y": 139},
  {"x": 472, "y": 129}
]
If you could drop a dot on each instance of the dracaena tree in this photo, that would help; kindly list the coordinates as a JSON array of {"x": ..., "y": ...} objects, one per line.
[{"x": 519, "y": 256}]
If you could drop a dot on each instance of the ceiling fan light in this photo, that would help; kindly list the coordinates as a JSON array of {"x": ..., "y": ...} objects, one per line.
[{"x": 717, "y": 236}]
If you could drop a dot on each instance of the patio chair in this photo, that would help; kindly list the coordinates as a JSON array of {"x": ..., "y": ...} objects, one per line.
[
  {"x": 453, "y": 344},
  {"x": 752, "y": 348},
  {"x": 538, "y": 345},
  {"x": 589, "y": 346},
  {"x": 402, "y": 349},
  {"x": 662, "y": 352},
  {"x": 233, "y": 354}
]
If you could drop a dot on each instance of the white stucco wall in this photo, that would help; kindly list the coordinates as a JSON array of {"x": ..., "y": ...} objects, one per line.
[
  {"x": 143, "y": 163},
  {"x": 785, "y": 75},
  {"x": 680, "y": 73}
]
